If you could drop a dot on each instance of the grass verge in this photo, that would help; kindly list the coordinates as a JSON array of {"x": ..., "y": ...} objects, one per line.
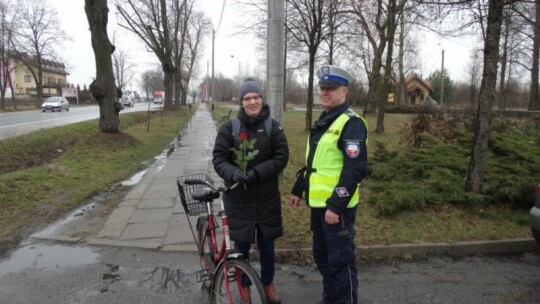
[
  {"x": 417, "y": 195},
  {"x": 47, "y": 173}
]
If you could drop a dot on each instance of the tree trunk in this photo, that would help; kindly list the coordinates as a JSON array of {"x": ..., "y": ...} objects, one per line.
[
  {"x": 39, "y": 82},
  {"x": 504, "y": 64},
  {"x": 400, "y": 100},
  {"x": 477, "y": 164},
  {"x": 309, "y": 110},
  {"x": 168, "y": 83},
  {"x": 384, "y": 86},
  {"x": 534, "y": 102},
  {"x": 103, "y": 87}
]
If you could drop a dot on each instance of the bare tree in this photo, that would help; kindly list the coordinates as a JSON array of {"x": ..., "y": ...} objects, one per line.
[
  {"x": 103, "y": 88},
  {"x": 152, "y": 80},
  {"x": 474, "y": 72},
  {"x": 477, "y": 164},
  {"x": 148, "y": 20},
  {"x": 180, "y": 13},
  {"x": 534, "y": 100},
  {"x": 38, "y": 33},
  {"x": 379, "y": 20},
  {"x": 513, "y": 45},
  {"x": 306, "y": 24},
  {"x": 199, "y": 27},
  {"x": 124, "y": 71},
  {"x": 530, "y": 13},
  {"x": 7, "y": 27},
  {"x": 188, "y": 28}
]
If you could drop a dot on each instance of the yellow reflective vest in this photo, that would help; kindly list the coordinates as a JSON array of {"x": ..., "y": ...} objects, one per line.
[{"x": 328, "y": 164}]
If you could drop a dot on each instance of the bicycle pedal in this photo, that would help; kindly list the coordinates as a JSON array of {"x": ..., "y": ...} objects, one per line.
[{"x": 203, "y": 275}]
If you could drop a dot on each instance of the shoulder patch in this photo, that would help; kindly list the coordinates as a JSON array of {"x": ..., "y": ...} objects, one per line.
[
  {"x": 352, "y": 148},
  {"x": 342, "y": 192}
]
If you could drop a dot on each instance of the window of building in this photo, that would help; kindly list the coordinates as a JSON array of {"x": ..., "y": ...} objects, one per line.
[{"x": 27, "y": 78}]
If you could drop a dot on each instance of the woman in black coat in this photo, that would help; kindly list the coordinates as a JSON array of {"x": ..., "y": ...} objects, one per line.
[{"x": 254, "y": 207}]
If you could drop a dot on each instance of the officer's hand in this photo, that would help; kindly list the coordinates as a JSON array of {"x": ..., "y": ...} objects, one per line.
[
  {"x": 294, "y": 201},
  {"x": 240, "y": 176},
  {"x": 251, "y": 176},
  {"x": 331, "y": 217}
]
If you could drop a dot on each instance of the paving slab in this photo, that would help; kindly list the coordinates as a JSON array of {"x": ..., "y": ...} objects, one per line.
[
  {"x": 151, "y": 215},
  {"x": 157, "y": 229}
]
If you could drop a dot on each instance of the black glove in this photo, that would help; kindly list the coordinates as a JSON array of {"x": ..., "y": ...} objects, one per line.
[
  {"x": 240, "y": 176},
  {"x": 251, "y": 176}
]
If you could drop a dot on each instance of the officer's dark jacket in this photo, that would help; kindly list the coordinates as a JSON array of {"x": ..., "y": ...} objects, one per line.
[
  {"x": 260, "y": 202},
  {"x": 354, "y": 168}
]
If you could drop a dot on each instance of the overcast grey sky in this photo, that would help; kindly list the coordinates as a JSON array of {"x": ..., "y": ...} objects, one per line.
[{"x": 79, "y": 58}]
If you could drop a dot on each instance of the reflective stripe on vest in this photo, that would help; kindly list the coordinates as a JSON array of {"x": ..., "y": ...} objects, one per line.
[{"x": 328, "y": 164}]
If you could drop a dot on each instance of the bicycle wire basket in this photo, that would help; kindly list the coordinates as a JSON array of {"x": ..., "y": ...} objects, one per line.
[{"x": 191, "y": 206}]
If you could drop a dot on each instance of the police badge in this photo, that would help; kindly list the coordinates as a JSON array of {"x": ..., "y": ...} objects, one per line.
[{"x": 352, "y": 148}]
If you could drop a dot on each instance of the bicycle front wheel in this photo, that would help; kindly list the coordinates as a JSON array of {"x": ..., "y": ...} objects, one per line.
[
  {"x": 239, "y": 283},
  {"x": 206, "y": 251}
]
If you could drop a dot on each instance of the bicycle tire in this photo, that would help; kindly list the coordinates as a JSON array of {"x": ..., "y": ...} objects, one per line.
[
  {"x": 206, "y": 251},
  {"x": 236, "y": 269}
]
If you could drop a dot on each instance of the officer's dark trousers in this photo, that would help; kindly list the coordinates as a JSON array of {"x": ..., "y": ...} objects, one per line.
[{"x": 334, "y": 253}]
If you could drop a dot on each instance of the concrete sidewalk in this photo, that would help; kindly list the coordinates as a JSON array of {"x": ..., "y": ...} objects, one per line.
[{"x": 151, "y": 215}]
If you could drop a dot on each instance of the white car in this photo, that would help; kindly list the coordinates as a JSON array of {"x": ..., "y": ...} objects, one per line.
[
  {"x": 126, "y": 102},
  {"x": 55, "y": 103}
]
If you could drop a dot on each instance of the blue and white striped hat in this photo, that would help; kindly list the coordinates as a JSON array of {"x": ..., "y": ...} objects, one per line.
[{"x": 333, "y": 76}]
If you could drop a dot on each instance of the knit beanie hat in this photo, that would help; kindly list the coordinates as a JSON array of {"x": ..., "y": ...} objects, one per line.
[{"x": 250, "y": 86}]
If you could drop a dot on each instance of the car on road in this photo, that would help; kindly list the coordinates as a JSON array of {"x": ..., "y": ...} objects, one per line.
[
  {"x": 127, "y": 103},
  {"x": 535, "y": 216},
  {"x": 53, "y": 103},
  {"x": 158, "y": 100}
]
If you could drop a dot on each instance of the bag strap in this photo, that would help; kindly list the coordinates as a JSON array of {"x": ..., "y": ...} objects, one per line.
[{"x": 235, "y": 122}]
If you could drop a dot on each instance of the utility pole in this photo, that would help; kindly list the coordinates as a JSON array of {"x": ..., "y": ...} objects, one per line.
[
  {"x": 274, "y": 57},
  {"x": 442, "y": 78},
  {"x": 212, "y": 98},
  {"x": 207, "y": 93}
]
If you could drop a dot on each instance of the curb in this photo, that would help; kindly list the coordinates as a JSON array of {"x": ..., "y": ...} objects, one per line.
[{"x": 462, "y": 248}]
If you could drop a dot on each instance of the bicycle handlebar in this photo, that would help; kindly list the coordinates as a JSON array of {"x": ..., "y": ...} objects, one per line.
[{"x": 193, "y": 181}]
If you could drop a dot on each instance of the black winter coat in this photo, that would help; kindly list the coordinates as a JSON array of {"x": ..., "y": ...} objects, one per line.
[{"x": 259, "y": 202}]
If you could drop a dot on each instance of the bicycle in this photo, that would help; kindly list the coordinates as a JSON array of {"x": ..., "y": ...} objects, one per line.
[{"x": 232, "y": 278}]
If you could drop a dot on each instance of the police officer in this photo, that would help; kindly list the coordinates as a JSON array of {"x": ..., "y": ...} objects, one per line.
[{"x": 336, "y": 162}]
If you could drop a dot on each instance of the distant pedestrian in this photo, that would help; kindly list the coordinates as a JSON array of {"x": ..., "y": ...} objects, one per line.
[
  {"x": 336, "y": 162},
  {"x": 252, "y": 150}
]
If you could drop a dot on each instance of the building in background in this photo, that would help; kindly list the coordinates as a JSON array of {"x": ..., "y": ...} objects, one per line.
[{"x": 24, "y": 85}]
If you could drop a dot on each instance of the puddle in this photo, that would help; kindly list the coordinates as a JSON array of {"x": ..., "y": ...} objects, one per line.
[
  {"x": 56, "y": 226},
  {"x": 45, "y": 257},
  {"x": 167, "y": 280},
  {"x": 134, "y": 179}
]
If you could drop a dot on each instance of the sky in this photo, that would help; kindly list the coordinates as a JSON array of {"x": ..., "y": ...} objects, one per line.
[
  {"x": 78, "y": 55},
  {"x": 233, "y": 53}
]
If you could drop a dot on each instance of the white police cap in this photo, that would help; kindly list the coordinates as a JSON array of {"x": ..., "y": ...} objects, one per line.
[{"x": 333, "y": 76}]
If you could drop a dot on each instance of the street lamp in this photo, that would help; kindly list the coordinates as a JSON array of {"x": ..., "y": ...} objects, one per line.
[{"x": 239, "y": 67}]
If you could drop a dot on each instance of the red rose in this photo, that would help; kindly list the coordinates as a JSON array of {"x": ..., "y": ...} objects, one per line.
[{"x": 243, "y": 136}]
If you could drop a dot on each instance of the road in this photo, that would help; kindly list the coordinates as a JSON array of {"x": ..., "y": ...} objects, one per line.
[
  {"x": 18, "y": 123},
  {"x": 41, "y": 272}
]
